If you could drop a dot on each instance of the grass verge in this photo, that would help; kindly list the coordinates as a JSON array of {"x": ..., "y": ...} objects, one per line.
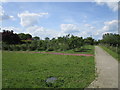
[{"x": 112, "y": 53}]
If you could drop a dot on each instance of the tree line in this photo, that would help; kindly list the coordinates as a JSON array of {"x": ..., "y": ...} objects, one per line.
[
  {"x": 111, "y": 41},
  {"x": 22, "y": 41},
  {"x": 12, "y": 41}
]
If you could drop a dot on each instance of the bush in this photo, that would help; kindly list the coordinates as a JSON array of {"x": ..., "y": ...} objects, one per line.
[
  {"x": 64, "y": 47},
  {"x": 5, "y": 46},
  {"x": 79, "y": 49},
  {"x": 10, "y": 47},
  {"x": 50, "y": 49},
  {"x": 40, "y": 48},
  {"x": 23, "y": 47},
  {"x": 32, "y": 47},
  {"x": 17, "y": 48}
]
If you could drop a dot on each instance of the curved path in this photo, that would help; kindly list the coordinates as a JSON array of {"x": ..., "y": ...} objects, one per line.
[{"x": 107, "y": 70}]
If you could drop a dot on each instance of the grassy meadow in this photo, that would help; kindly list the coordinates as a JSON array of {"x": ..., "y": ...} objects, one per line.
[{"x": 31, "y": 70}]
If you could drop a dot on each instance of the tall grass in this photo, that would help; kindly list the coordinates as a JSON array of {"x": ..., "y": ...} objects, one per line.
[{"x": 113, "y": 51}]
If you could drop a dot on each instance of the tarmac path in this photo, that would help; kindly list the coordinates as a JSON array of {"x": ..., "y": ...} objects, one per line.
[{"x": 106, "y": 69}]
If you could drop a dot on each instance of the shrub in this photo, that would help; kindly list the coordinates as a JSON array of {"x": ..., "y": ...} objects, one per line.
[
  {"x": 5, "y": 46},
  {"x": 23, "y": 47},
  {"x": 10, "y": 48},
  {"x": 32, "y": 47},
  {"x": 17, "y": 47},
  {"x": 79, "y": 49},
  {"x": 64, "y": 47},
  {"x": 40, "y": 48},
  {"x": 50, "y": 49}
]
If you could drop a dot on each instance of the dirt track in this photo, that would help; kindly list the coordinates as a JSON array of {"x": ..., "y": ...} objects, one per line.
[{"x": 107, "y": 70}]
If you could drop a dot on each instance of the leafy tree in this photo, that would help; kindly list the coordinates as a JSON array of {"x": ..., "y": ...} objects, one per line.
[
  {"x": 47, "y": 38},
  {"x": 75, "y": 42},
  {"x": 24, "y": 36},
  {"x": 28, "y": 36},
  {"x": 111, "y": 39},
  {"x": 36, "y": 38},
  {"x": 9, "y": 37},
  {"x": 89, "y": 40}
]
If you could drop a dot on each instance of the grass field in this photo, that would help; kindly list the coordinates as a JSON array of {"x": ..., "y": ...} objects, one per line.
[
  {"x": 31, "y": 70},
  {"x": 112, "y": 53}
]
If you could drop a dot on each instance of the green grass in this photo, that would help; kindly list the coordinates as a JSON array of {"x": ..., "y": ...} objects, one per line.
[
  {"x": 112, "y": 53},
  {"x": 30, "y": 70}
]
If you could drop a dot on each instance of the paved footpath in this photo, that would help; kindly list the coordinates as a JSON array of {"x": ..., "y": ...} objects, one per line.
[{"x": 107, "y": 70}]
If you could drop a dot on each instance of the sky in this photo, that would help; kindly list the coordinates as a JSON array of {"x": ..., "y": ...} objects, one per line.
[{"x": 54, "y": 19}]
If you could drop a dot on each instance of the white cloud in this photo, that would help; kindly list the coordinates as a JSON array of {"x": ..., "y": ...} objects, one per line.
[
  {"x": 4, "y": 16},
  {"x": 112, "y": 4},
  {"x": 84, "y": 30},
  {"x": 16, "y": 30},
  {"x": 89, "y": 26},
  {"x": 69, "y": 28},
  {"x": 65, "y": 29},
  {"x": 34, "y": 31},
  {"x": 3, "y": 1},
  {"x": 29, "y": 19},
  {"x": 41, "y": 32},
  {"x": 109, "y": 27}
]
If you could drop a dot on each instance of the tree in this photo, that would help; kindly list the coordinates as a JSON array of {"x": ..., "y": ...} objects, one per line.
[
  {"x": 76, "y": 42},
  {"x": 36, "y": 38},
  {"x": 89, "y": 40},
  {"x": 47, "y": 38},
  {"x": 9, "y": 37},
  {"x": 24, "y": 36},
  {"x": 111, "y": 39},
  {"x": 28, "y": 36}
]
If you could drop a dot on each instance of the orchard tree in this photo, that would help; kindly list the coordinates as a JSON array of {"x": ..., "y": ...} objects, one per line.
[
  {"x": 24, "y": 36},
  {"x": 89, "y": 40},
  {"x": 36, "y": 38}
]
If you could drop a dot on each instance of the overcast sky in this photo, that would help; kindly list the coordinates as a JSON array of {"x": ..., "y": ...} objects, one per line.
[{"x": 50, "y": 19}]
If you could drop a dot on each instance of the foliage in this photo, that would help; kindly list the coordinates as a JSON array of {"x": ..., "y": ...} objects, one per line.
[
  {"x": 26, "y": 41},
  {"x": 23, "y": 47},
  {"x": 68, "y": 42},
  {"x": 89, "y": 40},
  {"x": 111, "y": 39},
  {"x": 24, "y": 36},
  {"x": 36, "y": 38},
  {"x": 111, "y": 43},
  {"x": 10, "y": 38}
]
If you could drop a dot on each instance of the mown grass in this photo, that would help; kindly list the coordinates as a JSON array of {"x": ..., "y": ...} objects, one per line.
[
  {"x": 112, "y": 53},
  {"x": 30, "y": 70}
]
